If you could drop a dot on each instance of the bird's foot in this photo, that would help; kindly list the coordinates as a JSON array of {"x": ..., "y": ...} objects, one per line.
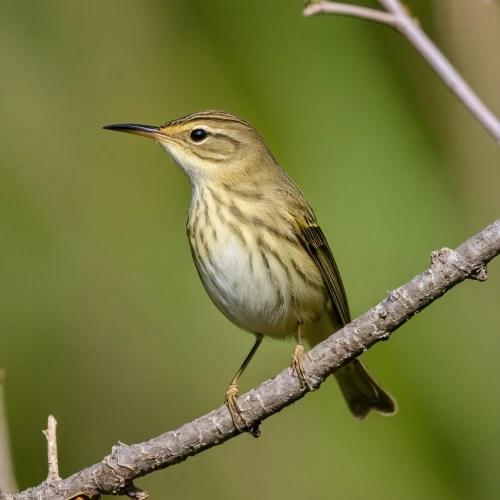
[
  {"x": 235, "y": 412},
  {"x": 297, "y": 367},
  {"x": 232, "y": 406}
]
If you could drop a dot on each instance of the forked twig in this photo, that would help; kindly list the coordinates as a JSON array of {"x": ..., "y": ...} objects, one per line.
[{"x": 398, "y": 17}]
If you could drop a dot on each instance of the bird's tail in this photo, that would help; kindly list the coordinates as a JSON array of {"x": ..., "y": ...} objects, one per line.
[{"x": 362, "y": 392}]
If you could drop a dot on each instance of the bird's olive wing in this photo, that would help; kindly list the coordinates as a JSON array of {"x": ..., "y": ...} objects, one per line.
[{"x": 315, "y": 243}]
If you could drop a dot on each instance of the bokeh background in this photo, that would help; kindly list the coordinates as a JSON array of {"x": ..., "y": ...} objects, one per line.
[{"x": 103, "y": 321}]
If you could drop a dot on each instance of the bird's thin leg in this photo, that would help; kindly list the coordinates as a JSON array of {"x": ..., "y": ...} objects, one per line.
[
  {"x": 232, "y": 390},
  {"x": 298, "y": 354}
]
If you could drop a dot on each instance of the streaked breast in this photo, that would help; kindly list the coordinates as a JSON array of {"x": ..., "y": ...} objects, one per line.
[{"x": 252, "y": 266}]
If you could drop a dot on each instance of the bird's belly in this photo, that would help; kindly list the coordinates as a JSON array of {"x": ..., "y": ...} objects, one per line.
[{"x": 259, "y": 291}]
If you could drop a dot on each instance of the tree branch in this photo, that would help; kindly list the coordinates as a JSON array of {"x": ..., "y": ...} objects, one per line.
[
  {"x": 398, "y": 17},
  {"x": 115, "y": 473}
]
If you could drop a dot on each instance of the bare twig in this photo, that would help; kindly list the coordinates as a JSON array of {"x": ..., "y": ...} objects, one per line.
[
  {"x": 115, "y": 473},
  {"x": 398, "y": 17},
  {"x": 52, "y": 460},
  {"x": 7, "y": 478},
  {"x": 345, "y": 9}
]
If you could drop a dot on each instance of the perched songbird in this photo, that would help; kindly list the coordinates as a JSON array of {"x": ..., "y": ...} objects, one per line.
[{"x": 258, "y": 249}]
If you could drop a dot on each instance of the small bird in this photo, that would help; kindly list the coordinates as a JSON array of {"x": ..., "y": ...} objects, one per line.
[{"x": 258, "y": 249}]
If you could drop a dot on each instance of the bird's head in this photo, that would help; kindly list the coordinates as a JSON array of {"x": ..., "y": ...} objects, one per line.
[{"x": 210, "y": 145}]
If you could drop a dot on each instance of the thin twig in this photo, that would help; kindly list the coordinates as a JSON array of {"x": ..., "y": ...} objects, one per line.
[
  {"x": 401, "y": 19},
  {"x": 115, "y": 473},
  {"x": 345, "y": 9},
  {"x": 53, "y": 463},
  {"x": 7, "y": 477}
]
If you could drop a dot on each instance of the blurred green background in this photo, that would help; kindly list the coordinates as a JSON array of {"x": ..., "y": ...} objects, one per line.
[{"x": 103, "y": 321}]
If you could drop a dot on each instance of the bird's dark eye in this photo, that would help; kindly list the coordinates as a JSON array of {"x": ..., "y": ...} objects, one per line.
[{"x": 198, "y": 134}]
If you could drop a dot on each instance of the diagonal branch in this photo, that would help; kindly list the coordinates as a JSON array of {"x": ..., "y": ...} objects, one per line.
[
  {"x": 115, "y": 473},
  {"x": 397, "y": 16}
]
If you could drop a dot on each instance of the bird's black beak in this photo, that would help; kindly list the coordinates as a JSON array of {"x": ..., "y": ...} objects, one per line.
[{"x": 131, "y": 128}]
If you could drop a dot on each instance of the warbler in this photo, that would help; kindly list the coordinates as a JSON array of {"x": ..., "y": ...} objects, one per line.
[{"x": 259, "y": 251}]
